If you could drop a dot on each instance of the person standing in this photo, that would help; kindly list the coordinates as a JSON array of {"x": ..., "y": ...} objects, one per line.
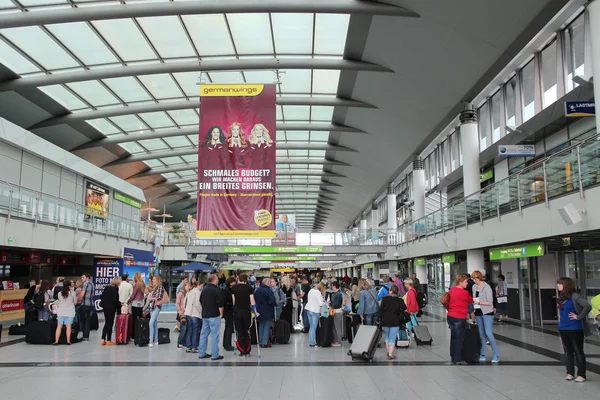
[
  {"x": 110, "y": 304},
  {"x": 502, "y": 298},
  {"x": 315, "y": 303},
  {"x": 242, "y": 296},
  {"x": 355, "y": 293},
  {"x": 265, "y": 307},
  {"x": 58, "y": 287},
  {"x": 412, "y": 305},
  {"x": 156, "y": 298},
  {"x": 484, "y": 315},
  {"x": 458, "y": 308},
  {"x": 193, "y": 314},
  {"x": 573, "y": 327},
  {"x": 390, "y": 313},
  {"x": 416, "y": 282},
  {"x": 337, "y": 302},
  {"x": 228, "y": 314},
  {"x": 87, "y": 306},
  {"x": 43, "y": 300},
  {"x": 65, "y": 312},
  {"x": 367, "y": 306},
  {"x": 305, "y": 288},
  {"x": 398, "y": 282},
  {"x": 125, "y": 292},
  {"x": 180, "y": 306},
  {"x": 211, "y": 300},
  {"x": 137, "y": 299},
  {"x": 288, "y": 292}
]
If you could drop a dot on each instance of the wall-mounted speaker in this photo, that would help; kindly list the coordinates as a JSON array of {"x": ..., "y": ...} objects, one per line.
[{"x": 570, "y": 214}]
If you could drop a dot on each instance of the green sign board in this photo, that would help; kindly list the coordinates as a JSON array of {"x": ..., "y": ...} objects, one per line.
[
  {"x": 420, "y": 261},
  {"x": 237, "y": 267},
  {"x": 268, "y": 250},
  {"x": 369, "y": 266},
  {"x": 517, "y": 251},
  {"x": 448, "y": 258},
  {"x": 486, "y": 176},
  {"x": 127, "y": 200},
  {"x": 284, "y": 258}
]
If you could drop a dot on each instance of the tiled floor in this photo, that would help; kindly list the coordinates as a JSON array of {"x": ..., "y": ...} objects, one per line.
[{"x": 529, "y": 370}]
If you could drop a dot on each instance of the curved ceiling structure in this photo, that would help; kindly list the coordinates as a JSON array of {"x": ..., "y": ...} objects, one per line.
[{"x": 362, "y": 85}]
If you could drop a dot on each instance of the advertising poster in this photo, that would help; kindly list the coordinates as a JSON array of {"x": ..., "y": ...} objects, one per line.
[
  {"x": 105, "y": 269},
  {"x": 236, "y": 161},
  {"x": 137, "y": 261},
  {"x": 96, "y": 201},
  {"x": 285, "y": 230}
]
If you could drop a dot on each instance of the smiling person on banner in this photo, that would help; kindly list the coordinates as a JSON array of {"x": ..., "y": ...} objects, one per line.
[
  {"x": 261, "y": 147},
  {"x": 236, "y": 146},
  {"x": 214, "y": 145}
]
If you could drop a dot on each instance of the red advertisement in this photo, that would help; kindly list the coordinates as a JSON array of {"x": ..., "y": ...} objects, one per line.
[
  {"x": 236, "y": 161},
  {"x": 12, "y": 305}
]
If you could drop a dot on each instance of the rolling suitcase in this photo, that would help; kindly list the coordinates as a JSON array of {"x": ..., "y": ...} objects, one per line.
[
  {"x": 40, "y": 332},
  {"x": 352, "y": 325},
  {"x": 422, "y": 335},
  {"x": 94, "y": 325},
  {"x": 282, "y": 331},
  {"x": 163, "y": 336},
  {"x": 325, "y": 332},
  {"x": 17, "y": 329},
  {"x": 365, "y": 343},
  {"x": 124, "y": 328},
  {"x": 403, "y": 340},
  {"x": 142, "y": 332},
  {"x": 472, "y": 344}
]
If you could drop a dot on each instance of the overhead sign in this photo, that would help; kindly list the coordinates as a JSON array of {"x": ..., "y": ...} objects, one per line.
[
  {"x": 486, "y": 176},
  {"x": 369, "y": 266},
  {"x": 236, "y": 161},
  {"x": 517, "y": 150},
  {"x": 267, "y": 250},
  {"x": 449, "y": 258},
  {"x": 284, "y": 258},
  {"x": 127, "y": 200},
  {"x": 282, "y": 270},
  {"x": 420, "y": 261},
  {"x": 517, "y": 251},
  {"x": 580, "y": 108},
  {"x": 285, "y": 230}
]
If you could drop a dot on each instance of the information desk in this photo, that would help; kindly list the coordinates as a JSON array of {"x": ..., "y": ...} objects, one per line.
[{"x": 11, "y": 302}]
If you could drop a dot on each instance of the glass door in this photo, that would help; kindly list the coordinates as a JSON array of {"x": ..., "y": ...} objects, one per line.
[
  {"x": 529, "y": 291},
  {"x": 524, "y": 292}
]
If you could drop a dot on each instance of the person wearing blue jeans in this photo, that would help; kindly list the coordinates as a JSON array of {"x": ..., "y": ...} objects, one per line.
[
  {"x": 265, "y": 307},
  {"x": 314, "y": 306},
  {"x": 313, "y": 321},
  {"x": 156, "y": 299},
  {"x": 458, "y": 329},
  {"x": 212, "y": 303},
  {"x": 368, "y": 306},
  {"x": 390, "y": 313},
  {"x": 192, "y": 337},
  {"x": 193, "y": 314},
  {"x": 483, "y": 300}
]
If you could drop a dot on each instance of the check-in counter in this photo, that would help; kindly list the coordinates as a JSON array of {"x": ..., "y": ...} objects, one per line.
[{"x": 11, "y": 302}]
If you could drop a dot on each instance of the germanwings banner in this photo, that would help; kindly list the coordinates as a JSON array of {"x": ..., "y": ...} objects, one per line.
[{"x": 236, "y": 161}]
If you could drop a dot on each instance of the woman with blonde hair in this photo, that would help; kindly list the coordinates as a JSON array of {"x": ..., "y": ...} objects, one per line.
[
  {"x": 110, "y": 304},
  {"x": 314, "y": 306},
  {"x": 137, "y": 298},
  {"x": 156, "y": 298},
  {"x": 483, "y": 297},
  {"x": 368, "y": 306},
  {"x": 260, "y": 136},
  {"x": 180, "y": 306}
]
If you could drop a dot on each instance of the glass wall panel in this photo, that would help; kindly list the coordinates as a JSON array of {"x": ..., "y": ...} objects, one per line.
[
  {"x": 549, "y": 75},
  {"x": 496, "y": 115},
  {"x": 433, "y": 172},
  {"x": 484, "y": 126},
  {"x": 445, "y": 159},
  {"x": 528, "y": 90},
  {"x": 574, "y": 50},
  {"x": 427, "y": 187},
  {"x": 453, "y": 151},
  {"x": 511, "y": 102}
]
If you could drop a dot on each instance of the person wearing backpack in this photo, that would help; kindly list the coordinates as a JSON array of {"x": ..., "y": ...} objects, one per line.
[
  {"x": 391, "y": 316},
  {"x": 385, "y": 289},
  {"x": 44, "y": 298}
]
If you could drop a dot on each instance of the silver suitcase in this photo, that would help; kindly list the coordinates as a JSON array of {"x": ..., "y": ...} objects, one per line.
[{"x": 365, "y": 343}]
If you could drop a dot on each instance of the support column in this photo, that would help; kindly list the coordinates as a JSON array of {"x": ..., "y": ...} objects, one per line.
[
  {"x": 593, "y": 11},
  {"x": 469, "y": 141},
  {"x": 392, "y": 220},
  {"x": 374, "y": 223},
  {"x": 421, "y": 271},
  {"x": 363, "y": 228},
  {"x": 475, "y": 261},
  {"x": 418, "y": 189}
]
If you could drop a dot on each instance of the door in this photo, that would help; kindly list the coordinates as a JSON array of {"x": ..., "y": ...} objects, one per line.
[{"x": 529, "y": 292}]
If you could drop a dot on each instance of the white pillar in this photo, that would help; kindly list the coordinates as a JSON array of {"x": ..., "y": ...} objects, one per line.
[
  {"x": 418, "y": 190},
  {"x": 374, "y": 223},
  {"x": 594, "y": 20},
  {"x": 421, "y": 271},
  {"x": 392, "y": 221},
  {"x": 469, "y": 139},
  {"x": 475, "y": 261},
  {"x": 363, "y": 226}
]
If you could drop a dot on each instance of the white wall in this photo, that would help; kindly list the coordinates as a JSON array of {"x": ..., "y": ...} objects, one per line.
[
  {"x": 547, "y": 271},
  {"x": 511, "y": 266}
]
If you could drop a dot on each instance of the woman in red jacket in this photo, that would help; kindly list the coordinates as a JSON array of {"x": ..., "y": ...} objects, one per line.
[
  {"x": 412, "y": 306},
  {"x": 458, "y": 309}
]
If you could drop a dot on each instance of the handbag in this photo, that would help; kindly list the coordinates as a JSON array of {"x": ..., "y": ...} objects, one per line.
[{"x": 502, "y": 299}]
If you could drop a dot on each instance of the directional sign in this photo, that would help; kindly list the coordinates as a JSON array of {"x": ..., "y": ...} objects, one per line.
[
  {"x": 580, "y": 108},
  {"x": 268, "y": 250},
  {"x": 10, "y": 241},
  {"x": 518, "y": 251},
  {"x": 448, "y": 258},
  {"x": 420, "y": 261},
  {"x": 284, "y": 258}
]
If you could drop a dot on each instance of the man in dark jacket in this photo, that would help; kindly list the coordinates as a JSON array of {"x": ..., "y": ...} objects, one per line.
[
  {"x": 265, "y": 307},
  {"x": 228, "y": 314},
  {"x": 212, "y": 312}
]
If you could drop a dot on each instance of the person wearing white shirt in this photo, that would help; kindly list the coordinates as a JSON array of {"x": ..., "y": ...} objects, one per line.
[
  {"x": 313, "y": 309},
  {"x": 125, "y": 290},
  {"x": 193, "y": 314}
]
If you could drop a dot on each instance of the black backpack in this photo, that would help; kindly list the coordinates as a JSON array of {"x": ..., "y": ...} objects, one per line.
[
  {"x": 421, "y": 300},
  {"x": 38, "y": 301}
]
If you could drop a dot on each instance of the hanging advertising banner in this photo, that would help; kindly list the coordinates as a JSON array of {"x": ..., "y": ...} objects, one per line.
[
  {"x": 96, "y": 201},
  {"x": 285, "y": 230},
  {"x": 105, "y": 269},
  {"x": 236, "y": 161},
  {"x": 135, "y": 260}
]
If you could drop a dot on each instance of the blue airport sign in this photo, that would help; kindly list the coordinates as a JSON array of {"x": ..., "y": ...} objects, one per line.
[{"x": 580, "y": 108}]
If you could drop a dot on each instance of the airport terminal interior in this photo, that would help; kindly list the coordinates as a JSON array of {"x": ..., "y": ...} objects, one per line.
[{"x": 284, "y": 199}]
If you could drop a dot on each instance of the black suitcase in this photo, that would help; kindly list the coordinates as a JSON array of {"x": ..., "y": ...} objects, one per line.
[
  {"x": 163, "y": 336},
  {"x": 18, "y": 329},
  {"x": 142, "y": 332},
  {"x": 282, "y": 330},
  {"x": 352, "y": 325},
  {"x": 63, "y": 335},
  {"x": 325, "y": 332},
  {"x": 472, "y": 344},
  {"x": 31, "y": 315},
  {"x": 41, "y": 332},
  {"x": 94, "y": 325}
]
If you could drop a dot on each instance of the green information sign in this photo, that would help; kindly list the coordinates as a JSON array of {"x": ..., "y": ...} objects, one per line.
[
  {"x": 486, "y": 176},
  {"x": 448, "y": 258},
  {"x": 127, "y": 200},
  {"x": 420, "y": 261},
  {"x": 267, "y": 250},
  {"x": 369, "y": 266},
  {"x": 284, "y": 258},
  {"x": 517, "y": 251}
]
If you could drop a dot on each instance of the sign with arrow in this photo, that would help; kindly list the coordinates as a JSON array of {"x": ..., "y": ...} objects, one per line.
[
  {"x": 10, "y": 241},
  {"x": 518, "y": 251}
]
